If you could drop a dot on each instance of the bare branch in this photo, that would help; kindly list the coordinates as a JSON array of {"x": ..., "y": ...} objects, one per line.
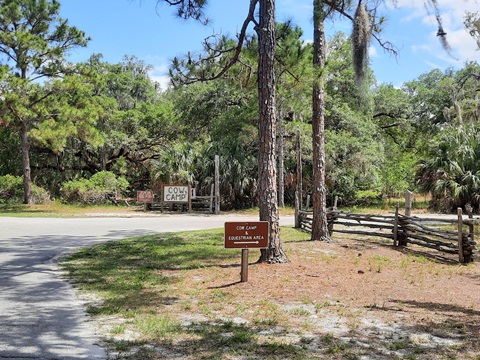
[
  {"x": 217, "y": 52},
  {"x": 39, "y": 100},
  {"x": 341, "y": 10},
  {"x": 285, "y": 67},
  {"x": 387, "y": 46}
]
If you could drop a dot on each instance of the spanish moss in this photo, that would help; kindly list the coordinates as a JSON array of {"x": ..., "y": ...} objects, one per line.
[
  {"x": 442, "y": 35},
  {"x": 360, "y": 42}
]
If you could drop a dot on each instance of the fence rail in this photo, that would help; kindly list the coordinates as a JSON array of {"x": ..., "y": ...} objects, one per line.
[{"x": 404, "y": 230}]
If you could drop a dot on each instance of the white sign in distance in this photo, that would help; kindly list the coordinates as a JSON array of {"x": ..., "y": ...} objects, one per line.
[{"x": 175, "y": 193}]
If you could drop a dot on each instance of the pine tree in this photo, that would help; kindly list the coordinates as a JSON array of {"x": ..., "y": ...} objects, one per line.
[{"x": 33, "y": 43}]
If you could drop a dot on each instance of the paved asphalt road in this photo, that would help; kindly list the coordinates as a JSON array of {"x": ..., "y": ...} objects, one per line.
[{"x": 40, "y": 315}]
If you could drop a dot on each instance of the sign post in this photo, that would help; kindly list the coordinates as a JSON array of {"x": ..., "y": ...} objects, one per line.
[
  {"x": 244, "y": 267},
  {"x": 246, "y": 235}
]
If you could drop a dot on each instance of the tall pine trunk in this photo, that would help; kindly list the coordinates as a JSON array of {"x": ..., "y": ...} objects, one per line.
[
  {"x": 319, "y": 225},
  {"x": 27, "y": 177},
  {"x": 267, "y": 174}
]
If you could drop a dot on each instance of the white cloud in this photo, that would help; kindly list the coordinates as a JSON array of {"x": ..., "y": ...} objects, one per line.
[
  {"x": 372, "y": 52},
  {"x": 159, "y": 72},
  {"x": 465, "y": 45},
  {"x": 160, "y": 75},
  {"x": 163, "y": 81}
]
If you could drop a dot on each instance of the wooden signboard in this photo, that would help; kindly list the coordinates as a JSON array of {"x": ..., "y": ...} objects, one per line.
[
  {"x": 145, "y": 196},
  {"x": 246, "y": 235},
  {"x": 176, "y": 193}
]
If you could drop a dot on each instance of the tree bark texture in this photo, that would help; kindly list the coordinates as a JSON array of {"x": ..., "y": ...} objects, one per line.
[
  {"x": 27, "y": 176},
  {"x": 267, "y": 174},
  {"x": 320, "y": 224}
]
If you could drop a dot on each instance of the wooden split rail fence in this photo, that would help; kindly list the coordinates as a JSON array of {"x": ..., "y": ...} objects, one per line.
[{"x": 433, "y": 233}]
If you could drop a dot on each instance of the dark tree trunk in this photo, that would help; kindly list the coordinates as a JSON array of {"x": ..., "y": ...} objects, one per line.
[
  {"x": 281, "y": 163},
  {"x": 27, "y": 177},
  {"x": 267, "y": 175},
  {"x": 319, "y": 225}
]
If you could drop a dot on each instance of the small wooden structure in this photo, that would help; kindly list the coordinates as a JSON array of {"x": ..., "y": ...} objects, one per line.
[{"x": 193, "y": 202}]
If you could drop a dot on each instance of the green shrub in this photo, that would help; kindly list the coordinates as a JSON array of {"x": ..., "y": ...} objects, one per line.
[
  {"x": 11, "y": 188},
  {"x": 11, "y": 191},
  {"x": 102, "y": 187},
  {"x": 107, "y": 180},
  {"x": 368, "y": 197}
]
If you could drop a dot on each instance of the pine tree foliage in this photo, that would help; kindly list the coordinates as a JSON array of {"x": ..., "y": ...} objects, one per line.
[
  {"x": 33, "y": 43},
  {"x": 189, "y": 9}
]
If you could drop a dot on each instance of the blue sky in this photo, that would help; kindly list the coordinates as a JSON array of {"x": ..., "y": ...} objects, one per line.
[{"x": 153, "y": 34}]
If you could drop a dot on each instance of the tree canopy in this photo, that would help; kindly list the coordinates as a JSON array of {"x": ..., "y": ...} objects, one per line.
[{"x": 62, "y": 122}]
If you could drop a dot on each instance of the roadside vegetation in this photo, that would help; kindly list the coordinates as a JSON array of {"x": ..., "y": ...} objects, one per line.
[
  {"x": 58, "y": 209},
  {"x": 111, "y": 120},
  {"x": 122, "y": 208}
]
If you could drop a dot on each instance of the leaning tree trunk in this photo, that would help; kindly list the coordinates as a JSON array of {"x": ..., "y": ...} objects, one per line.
[
  {"x": 319, "y": 225},
  {"x": 267, "y": 175},
  {"x": 27, "y": 177}
]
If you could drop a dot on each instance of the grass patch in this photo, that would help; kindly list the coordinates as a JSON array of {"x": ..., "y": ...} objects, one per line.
[
  {"x": 157, "y": 326},
  {"x": 143, "y": 272},
  {"x": 58, "y": 210},
  {"x": 377, "y": 263}
]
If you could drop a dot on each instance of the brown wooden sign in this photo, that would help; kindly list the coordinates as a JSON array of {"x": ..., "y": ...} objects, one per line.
[
  {"x": 145, "y": 196},
  {"x": 246, "y": 235}
]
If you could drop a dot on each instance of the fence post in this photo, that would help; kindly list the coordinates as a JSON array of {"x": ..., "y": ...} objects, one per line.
[
  {"x": 297, "y": 211},
  {"x": 460, "y": 236},
  {"x": 471, "y": 226},
  {"x": 408, "y": 203},
  {"x": 472, "y": 242},
  {"x": 217, "y": 184},
  {"x": 212, "y": 189},
  {"x": 308, "y": 202},
  {"x": 299, "y": 169},
  {"x": 244, "y": 266},
  {"x": 162, "y": 195},
  {"x": 395, "y": 227},
  {"x": 189, "y": 198}
]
